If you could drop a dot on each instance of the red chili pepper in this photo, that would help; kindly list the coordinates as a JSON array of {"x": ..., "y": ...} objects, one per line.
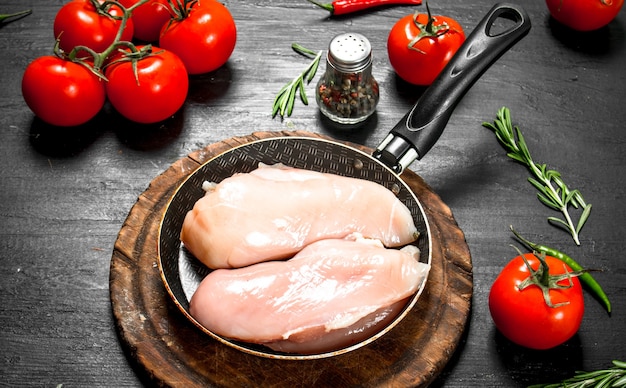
[{"x": 343, "y": 7}]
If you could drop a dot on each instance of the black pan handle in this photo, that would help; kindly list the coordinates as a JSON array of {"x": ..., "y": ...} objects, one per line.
[{"x": 420, "y": 129}]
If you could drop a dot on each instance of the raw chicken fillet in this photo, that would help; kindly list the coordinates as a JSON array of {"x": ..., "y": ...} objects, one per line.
[
  {"x": 274, "y": 211},
  {"x": 331, "y": 294}
]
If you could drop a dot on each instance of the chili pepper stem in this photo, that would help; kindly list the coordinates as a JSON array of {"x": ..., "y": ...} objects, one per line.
[{"x": 327, "y": 6}]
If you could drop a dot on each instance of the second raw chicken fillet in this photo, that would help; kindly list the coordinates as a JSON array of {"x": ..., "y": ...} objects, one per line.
[{"x": 332, "y": 294}]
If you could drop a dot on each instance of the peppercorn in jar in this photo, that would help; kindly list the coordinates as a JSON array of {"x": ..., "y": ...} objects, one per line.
[{"x": 347, "y": 93}]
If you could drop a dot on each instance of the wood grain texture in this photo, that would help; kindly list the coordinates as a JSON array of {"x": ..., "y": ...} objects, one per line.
[{"x": 175, "y": 353}]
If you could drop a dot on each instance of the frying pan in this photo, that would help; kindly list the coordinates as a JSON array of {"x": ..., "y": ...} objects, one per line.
[{"x": 409, "y": 140}]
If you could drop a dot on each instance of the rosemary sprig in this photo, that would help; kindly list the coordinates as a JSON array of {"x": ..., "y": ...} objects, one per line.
[
  {"x": 285, "y": 99},
  {"x": 553, "y": 192},
  {"x": 611, "y": 377}
]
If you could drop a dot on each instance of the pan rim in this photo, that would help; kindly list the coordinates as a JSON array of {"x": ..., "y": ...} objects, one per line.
[{"x": 270, "y": 353}]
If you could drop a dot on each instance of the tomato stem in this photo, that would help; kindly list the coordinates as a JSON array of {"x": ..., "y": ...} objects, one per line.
[
  {"x": 428, "y": 30},
  {"x": 181, "y": 8},
  {"x": 98, "y": 60},
  {"x": 542, "y": 278}
]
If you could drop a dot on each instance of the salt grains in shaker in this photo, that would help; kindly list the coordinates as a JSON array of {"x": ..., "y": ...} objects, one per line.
[{"x": 347, "y": 93}]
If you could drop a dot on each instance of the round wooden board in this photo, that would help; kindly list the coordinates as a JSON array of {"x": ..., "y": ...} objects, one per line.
[{"x": 173, "y": 352}]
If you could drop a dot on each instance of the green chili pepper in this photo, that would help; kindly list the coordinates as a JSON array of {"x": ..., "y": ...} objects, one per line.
[{"x": 585, "y": 278}]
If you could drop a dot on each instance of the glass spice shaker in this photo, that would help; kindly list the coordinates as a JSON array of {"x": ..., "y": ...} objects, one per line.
[{"x": 347, "y": 93}]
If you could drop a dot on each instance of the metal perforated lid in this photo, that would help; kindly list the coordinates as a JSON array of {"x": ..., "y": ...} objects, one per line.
[{"x": 350, "y": 52}]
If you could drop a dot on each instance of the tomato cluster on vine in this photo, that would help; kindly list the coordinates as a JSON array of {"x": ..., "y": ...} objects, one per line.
[{"x": 137, "y": 54}]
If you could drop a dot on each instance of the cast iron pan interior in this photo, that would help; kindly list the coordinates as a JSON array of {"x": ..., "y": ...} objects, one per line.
[{"x": 182, "y": 272}]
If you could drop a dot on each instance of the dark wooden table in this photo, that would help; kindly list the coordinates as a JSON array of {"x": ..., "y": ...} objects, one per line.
[{"x": 65, "y": 193}]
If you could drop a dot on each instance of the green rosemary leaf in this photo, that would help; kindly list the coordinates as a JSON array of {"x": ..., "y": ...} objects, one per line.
[
  {"x": 538, "y": 185},
  {"x": 547, "y": 201},
  {"x": 523, "y": 147},
  {"x": 563, "y": 194},
  {"x": 542, "y": 168},
  {"x": 501, "y": 128},
  {"x": 291, "y": 99},
  {"x": 506, "y": 114},
  {"x": 275, "y": 109},
  {"x": 559, "y": 222},
  {"x": 581, "y": 376},
  {"x": 552, "y": 174},
  {"x": 302, "y": 50},
  {"x": 303, "y": 97},
  {"x": 569, "y": 197},
  {"x": 504, "y": 141},
  {"x": 606, "y": 381},
  {"x": 575, "y": 197},
  {"x": 579, "y": 199},
  {"x": 583, "y": 218},
  {"x": 278, "y": 100},
  {"x": 314, "y": 67},
  {"x": 516, "y": 157},
  {"x": 283, "y": 102},
  {"x": 621, "y": 382}
]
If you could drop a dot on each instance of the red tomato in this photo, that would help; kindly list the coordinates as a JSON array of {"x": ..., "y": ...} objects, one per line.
[
  {"x": 149, "y": 18},
  {"x": 584, "y": 15},
  {"x": 419, "y": 60},
  {"x": 204, "y": 39},
  {"x": 61, "y": 92},
  {"x": 157, "y": 93},
  {"x": 78, "y": 23},
  {"x": 523, "y": 315}
]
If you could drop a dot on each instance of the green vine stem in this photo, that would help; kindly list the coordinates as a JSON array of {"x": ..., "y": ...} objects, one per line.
[{"x": 96, "y": 62}]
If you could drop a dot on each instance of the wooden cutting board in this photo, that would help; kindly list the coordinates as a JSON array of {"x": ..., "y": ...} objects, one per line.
[{"x": 173, "y": 352}]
